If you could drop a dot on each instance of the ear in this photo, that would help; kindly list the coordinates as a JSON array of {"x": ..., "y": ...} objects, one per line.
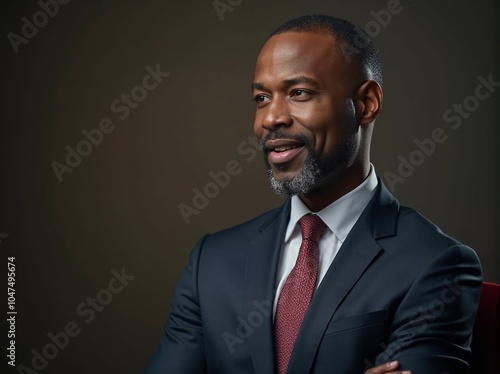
[{"x": 368, "y": 102}]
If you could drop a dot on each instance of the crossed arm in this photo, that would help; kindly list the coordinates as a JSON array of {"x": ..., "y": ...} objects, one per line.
[
  {"x": 422, "y": 340},
  {"x": 388, "y": 368},
  {"x": 433, "y": 325}
]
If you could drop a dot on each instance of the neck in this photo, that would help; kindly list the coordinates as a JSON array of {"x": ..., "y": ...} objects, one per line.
[{"x": 335, "y": 185}]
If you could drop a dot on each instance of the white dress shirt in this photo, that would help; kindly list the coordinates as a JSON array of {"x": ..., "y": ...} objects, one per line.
[{"x": 339, "y": 217}]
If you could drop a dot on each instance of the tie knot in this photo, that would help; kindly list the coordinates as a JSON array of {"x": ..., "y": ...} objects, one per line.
[{"x": 312, "y": 226}]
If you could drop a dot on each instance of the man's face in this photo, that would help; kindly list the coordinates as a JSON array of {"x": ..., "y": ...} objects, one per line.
[{"x": 305, "y": 116}]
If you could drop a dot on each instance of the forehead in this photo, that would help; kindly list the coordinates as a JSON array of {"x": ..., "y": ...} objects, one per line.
[{"x": 299, "y": 54}]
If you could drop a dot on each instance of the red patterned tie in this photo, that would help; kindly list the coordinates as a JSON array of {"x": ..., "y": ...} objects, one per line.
[{"x": 297, "y": 291}]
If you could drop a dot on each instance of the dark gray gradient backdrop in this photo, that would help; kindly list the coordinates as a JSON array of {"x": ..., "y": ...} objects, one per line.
[{"x": 119, "y": 207}]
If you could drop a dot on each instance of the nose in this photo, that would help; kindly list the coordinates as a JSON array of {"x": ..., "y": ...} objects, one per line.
[{"x": 276, "y": 115}]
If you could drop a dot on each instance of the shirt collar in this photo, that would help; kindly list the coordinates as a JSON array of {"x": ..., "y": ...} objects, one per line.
[{"x": 341, "y": 215}]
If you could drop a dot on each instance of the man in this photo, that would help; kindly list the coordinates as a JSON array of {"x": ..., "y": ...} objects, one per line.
[{"x": 341, "y": 279}]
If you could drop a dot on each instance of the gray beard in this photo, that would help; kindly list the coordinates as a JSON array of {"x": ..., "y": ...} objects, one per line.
[
  {"x": 315, "y": 168},
  {"x": 303, "y": 182}
]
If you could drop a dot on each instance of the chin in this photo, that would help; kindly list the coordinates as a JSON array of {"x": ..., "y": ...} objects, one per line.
[{"x": 284, "y": 175}]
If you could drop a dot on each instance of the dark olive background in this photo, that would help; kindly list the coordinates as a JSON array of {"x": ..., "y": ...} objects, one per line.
[{"x": 119, "y": 207}]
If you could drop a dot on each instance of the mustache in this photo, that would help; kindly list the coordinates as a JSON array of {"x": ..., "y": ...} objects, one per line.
[{"x": 284, "y": 135}]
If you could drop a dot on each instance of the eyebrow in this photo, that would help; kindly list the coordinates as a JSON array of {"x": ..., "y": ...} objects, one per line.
[{"x": 301, "y": 79}]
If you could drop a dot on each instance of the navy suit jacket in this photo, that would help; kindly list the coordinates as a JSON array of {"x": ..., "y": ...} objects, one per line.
[{"x": 398, "y": 289}]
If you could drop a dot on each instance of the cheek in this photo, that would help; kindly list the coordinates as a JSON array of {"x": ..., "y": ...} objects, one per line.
[
  {"x": 327, "y": 142},
  {"x": 335, "y": 138},
  {"x": 307, "y": 114},
  {"x": 322, "y": 126}
]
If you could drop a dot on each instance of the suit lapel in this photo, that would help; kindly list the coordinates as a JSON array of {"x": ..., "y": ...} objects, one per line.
[
  {"x": 260, "y": 276},
  {"x": 356, "y": 254}
]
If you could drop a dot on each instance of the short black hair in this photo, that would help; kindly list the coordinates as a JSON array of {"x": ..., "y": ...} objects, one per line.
[{"x": 354, "y": 43}]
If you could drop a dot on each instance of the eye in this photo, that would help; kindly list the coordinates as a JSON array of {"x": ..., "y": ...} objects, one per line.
[
  {"x": 261, "y": 99},
  {"x": 300, "y": 94}
]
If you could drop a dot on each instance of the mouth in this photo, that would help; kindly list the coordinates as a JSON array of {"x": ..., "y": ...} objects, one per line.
[{"x": 283, "y": 150}]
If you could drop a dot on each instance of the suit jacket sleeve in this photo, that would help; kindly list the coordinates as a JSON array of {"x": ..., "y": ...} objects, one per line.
[
  {"x": 181, "y": 349},
  {"x": 432, "y": 327}
]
